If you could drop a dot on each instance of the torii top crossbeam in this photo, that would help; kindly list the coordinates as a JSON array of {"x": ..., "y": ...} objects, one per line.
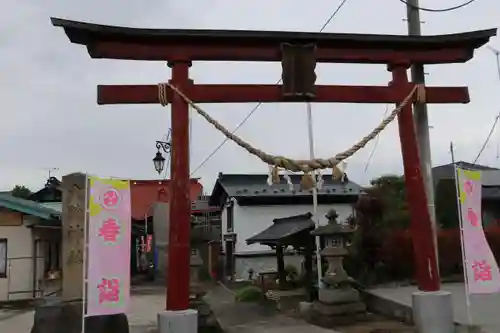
[
  {"x": 240, "y": 45},
  {"x": 298, "y": 53},
  {"x": 173, "y": 45}
]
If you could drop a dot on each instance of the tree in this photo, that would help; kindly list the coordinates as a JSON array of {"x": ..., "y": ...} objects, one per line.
[
  {"x": 378, "y": 213},
  {"x": 446, "y": 204},
  {"x": 21, "y": 191},
  {"x": 390, "y": 192}
]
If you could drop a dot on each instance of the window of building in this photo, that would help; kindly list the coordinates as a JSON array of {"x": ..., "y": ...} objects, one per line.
[
  {"x": 230, "y": 217},
  {"x": 3, "y": 257}
]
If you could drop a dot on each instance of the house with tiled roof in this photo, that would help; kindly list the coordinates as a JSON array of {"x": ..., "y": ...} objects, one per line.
[
  {"x": 444, "y": 185},
  {"x": 249, "y": 205},
  {"x": 27, "y": 228}
]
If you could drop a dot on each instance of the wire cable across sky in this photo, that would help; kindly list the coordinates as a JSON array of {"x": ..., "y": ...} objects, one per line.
[
  {"x": 439, "y": 10},
  {"x": 205, "y": 161},
  {"x": 492, "y": 130}
]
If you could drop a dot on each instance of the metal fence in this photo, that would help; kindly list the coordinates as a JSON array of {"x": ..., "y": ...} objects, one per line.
[{"x": 22, "y": 280}]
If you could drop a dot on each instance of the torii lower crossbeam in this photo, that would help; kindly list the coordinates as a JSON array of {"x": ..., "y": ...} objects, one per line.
[{"x": 226, "y": 93}]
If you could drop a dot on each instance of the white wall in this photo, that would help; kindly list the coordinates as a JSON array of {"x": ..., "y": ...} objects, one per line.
[
  {"x": 19, "y": 263},
  {"x": 250, "y": 220}
]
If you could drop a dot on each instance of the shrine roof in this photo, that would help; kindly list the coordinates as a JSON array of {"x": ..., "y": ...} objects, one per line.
[
  {"x": 283, "y": 228},
  {"x": 254, "y": 187},
  {"x": 89, "y": 34}
]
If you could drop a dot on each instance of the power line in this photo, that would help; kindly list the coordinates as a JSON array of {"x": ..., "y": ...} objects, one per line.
[
  {"x": 327, "y": 22},
  {"x": 438, "y": 10},
  {"x": 375, "y": 145},
  {"x": 497, "y": 55},
  {"x": 487, "y": 139}
]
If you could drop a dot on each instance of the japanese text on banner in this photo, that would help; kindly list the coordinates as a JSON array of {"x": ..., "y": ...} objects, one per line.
[
  {"x": 108, "y": 261},
  {"x": 482, "y": 272}
]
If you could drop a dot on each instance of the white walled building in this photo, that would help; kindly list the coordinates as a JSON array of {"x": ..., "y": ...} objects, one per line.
[{"x": 249, "y": 205}]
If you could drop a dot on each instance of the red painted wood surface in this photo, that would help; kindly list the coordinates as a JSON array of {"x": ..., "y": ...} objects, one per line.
[
  {"x": 179, "y": 51},
  {"x": 227, "y": 93},
  {"x": 426, "y": 266},
  {"x": 179, "y": 251}
]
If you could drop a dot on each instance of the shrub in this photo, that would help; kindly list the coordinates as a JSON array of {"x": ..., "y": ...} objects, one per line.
[
  {"x": 493, "y": 236},
  {"x": 248, "y": 294},
  {"x": 450, "y": 252},
  {"x": 397, "y": 255}
]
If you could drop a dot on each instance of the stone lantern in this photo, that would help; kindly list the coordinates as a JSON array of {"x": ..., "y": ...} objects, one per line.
[
  {"x": 195, "y": 263},
  {"x": 337, "y": 239},
  {"x": 338, "y": 303}
]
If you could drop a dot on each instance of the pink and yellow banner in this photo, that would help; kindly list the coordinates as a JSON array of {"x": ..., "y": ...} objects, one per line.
[
  {"x": 108, "y": 259},
  {"x": 483, "y": 276}
]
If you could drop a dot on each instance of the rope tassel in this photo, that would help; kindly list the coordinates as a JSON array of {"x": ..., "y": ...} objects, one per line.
[
  {"x": 307, "y": 182},
  {"x": 275, "y": 175}
]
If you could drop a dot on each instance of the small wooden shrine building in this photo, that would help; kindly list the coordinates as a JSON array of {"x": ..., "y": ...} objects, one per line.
[{"x": 294, "y": 231}]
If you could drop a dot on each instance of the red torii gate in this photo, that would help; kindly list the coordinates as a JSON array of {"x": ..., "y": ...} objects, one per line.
[{"x": 299, "y": 53}]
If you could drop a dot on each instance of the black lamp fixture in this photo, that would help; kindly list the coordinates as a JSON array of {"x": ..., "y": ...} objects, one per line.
[{"x": 159, "y": 160}]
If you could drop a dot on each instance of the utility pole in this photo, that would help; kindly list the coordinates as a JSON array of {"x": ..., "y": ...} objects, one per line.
[
  {"x": 422, "y": 120},
  {"x": 432, "y": 311}
]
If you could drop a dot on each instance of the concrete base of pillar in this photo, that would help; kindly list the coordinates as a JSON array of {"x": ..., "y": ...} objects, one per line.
[
  {"x": 184, "y": 321},
  {"x": 433, "y": 312},
  {"x": 66, "y": 317}
]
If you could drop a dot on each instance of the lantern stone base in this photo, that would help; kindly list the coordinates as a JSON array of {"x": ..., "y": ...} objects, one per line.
[
  {"x": 332, "y": 316},
  {"x": 338, "y": 296},
  {"x": 337, "y": 307},
  {"x": 66, "y": 317}
]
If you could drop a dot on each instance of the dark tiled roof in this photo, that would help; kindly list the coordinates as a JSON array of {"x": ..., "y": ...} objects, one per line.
[
  {"x": 283, "y": 228},
  {"x": 446, "y": 171},
  {"x": 255, "y": 185},
  {"x": 490, "y": 177}
]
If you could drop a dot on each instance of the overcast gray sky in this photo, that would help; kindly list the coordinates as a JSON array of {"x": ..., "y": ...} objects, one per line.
[{"x": 48, "y": 90}]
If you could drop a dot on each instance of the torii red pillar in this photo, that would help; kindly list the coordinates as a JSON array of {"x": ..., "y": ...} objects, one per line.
[{"x": 180, "y": 47}]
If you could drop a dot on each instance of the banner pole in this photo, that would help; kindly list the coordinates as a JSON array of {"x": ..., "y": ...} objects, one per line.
[
  {"x": 319, "y": 268},
  {"x": 84, "y": 255},
  {"x": 462, "y": 238}
]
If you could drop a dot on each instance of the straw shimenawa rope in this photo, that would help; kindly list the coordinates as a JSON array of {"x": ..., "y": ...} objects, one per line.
[{"x": 290, "y": 164}]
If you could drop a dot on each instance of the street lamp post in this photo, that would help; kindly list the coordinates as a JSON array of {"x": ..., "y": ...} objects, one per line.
[{"x": 159, "y": 160}]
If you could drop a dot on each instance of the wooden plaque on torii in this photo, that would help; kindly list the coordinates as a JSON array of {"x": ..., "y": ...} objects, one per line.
[{"x": 298, "y": 53}]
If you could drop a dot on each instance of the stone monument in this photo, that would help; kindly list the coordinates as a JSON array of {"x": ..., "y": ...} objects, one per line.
[{"x": 338, "y": 303}]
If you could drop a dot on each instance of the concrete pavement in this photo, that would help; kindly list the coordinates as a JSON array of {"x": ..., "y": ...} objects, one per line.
[
  {"x": 484, "y": 308},
  {"x": 240, "y": 317},
  {"x": 141, "y": 315}
]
